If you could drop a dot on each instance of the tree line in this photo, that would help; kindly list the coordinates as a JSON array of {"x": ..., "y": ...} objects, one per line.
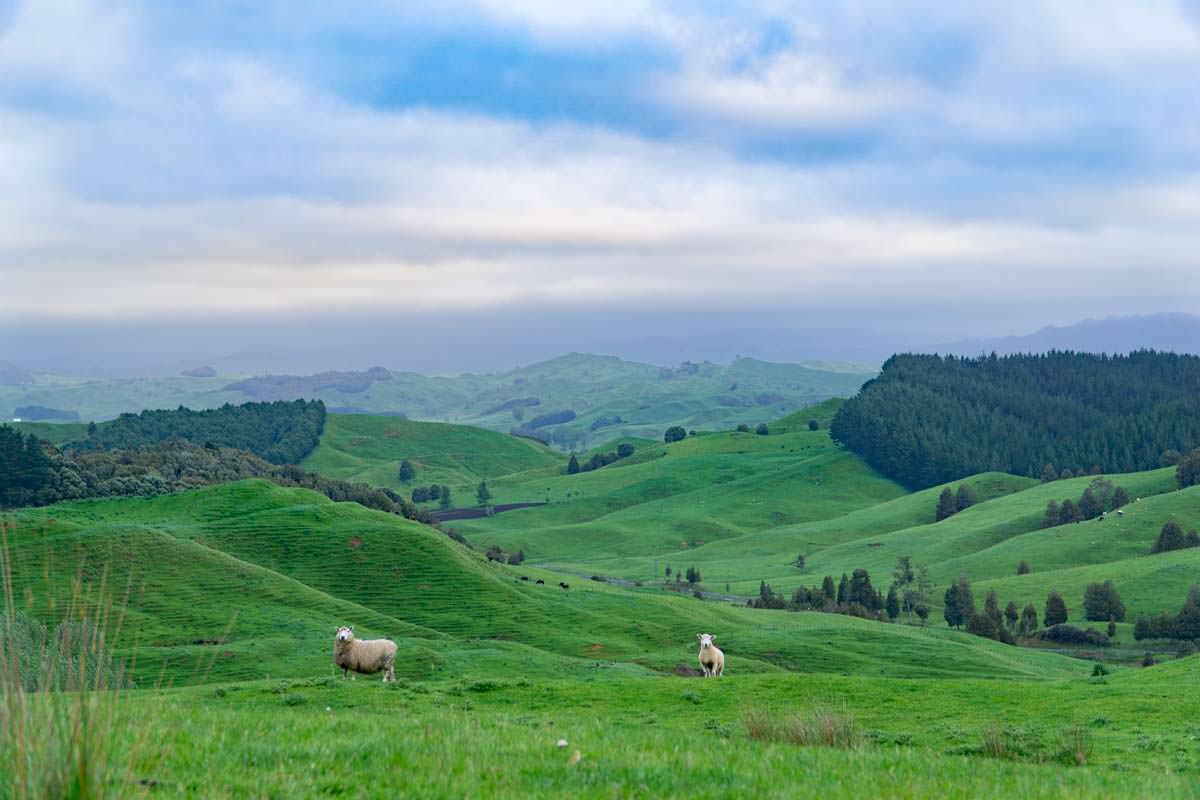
[
  {"x": 282, "y": 432},
  {"x": 929, "y": 419},
  {"x": 34, "y": 473},
  {"x": 598, "y": 460}
]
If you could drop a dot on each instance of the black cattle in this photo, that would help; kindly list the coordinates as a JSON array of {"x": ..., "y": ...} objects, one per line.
[
  {"x": 563, "y": 585},
  {"x": 540, "y": 582}
]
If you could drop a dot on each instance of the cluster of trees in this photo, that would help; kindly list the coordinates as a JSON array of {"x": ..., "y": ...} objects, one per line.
[
  {"x": 675, "y": 433},
  {"x": 283, "y": 432},
  {"x": 1100, "y": 497},
  {"x": 1172, "y": 537},
  {"x": 25, "y": 469},
  {"x": 624, "y": 450},
  {"x": 959, "y": 612},
  {"x": 951, "y": 502},
  {"x": 691, "y": 575},
  {"x": 931, "y": 419},
  {"x": 33, "y": 473},
  {"x": 424, "y": 494},
  {"x": 855, "y": 595},
  {"x": 762, "y": 429},
  {"x": 1101, "y": 602},
  {"x": 1184, "y": 625},
  {"x": 497, "y": 553}
]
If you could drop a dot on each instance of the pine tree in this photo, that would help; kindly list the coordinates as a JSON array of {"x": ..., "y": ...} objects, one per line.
[
  {"x": 959, "y": 603},
  {"x": 1069, "y": 513},
  {"x": 1089, "y": 506},
  {"x": 573, "y": 465},
  {"x": 407, "y": 471},
  {"x": 965, "y": 497},
  {"x": 1049, "y": 473},
  {"x": 445, "y": 501},
  {"x": 1053, "y": 515},
  {"x": 1120, "y": 497},
  {"x": 1169, "y": 538},
  {"x": 1011, "y": 615},
  {"x": 946, "y": 506},
  {"x": 843, "y": 590},
  {"x": 1029, "y": 620},
  {"x": 828, "y": 589},
  {"x": 1023, "y": 567},
  {"x": 991, "y": 610},
  {"x": 483, "y": 495},
  {"x": 1056, "y": 610},
  {"x": 893, "y": 603}
]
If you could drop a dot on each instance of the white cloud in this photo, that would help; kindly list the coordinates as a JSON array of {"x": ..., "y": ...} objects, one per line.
[{"x": 222, "y": 182}]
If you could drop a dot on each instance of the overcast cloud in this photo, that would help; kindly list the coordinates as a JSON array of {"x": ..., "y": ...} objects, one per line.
[{"x": 1037, "y": 162}]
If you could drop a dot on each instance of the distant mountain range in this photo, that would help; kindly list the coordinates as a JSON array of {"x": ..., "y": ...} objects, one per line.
[
  {"x": 1177, "y": 333},
  {"x": 573, "y": 401}
]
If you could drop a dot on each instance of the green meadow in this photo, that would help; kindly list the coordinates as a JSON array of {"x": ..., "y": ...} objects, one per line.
[{"x": 224, "y": 601}]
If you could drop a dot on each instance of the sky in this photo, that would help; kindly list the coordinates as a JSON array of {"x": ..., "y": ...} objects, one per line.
[{"x": 946, "y": 169}]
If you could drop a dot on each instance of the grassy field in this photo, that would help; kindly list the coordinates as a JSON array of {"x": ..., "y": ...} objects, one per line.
[
  {"x": 229, "y": 597},
  {"x": 369, "y": 449},
  {"x": 627, "y": 735}
]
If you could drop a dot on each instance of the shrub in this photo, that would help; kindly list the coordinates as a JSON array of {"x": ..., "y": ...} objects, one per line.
[
  {"x": 762, "y": 429},
  {"x": 1075, "y": 744},
  {"x": 675, "y": 433},
  {"x": 743, "y": 428},
  {"x": 813, "y": 425},
  {"x": 1069, "y": 634},
  {"x": 1023, "y": 568}
]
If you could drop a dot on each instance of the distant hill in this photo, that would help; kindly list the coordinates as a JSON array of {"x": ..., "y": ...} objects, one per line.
[
  {"x": 1175, "y": 333},
  {"x": 589, "y": 398}
]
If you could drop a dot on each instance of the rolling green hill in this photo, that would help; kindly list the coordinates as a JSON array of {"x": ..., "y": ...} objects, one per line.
[
  {"x": 249, "y": 579},
  {"x": 369, "y": 449}
]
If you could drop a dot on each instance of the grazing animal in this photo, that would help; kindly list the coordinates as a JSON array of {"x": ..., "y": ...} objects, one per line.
[
  {"x": 712, "y": 660},
  {"x": 1120, "y": 513},
  {"x": 563, "y": 585},
  {"x": 367, "y": 656},
  {"x": 524, "y": 577},
  {"x": 540, "y": 582}
]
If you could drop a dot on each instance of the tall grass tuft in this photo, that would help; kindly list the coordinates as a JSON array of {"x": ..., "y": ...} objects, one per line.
[
  {"x": 1074, "y": 745},
  {"x": 59, "y": 693},
  {"x": 821, "y": 726}
]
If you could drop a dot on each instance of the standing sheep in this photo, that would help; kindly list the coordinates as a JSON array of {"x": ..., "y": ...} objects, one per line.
[
  {"x": 367, "y": 656},
  {"x": 712, "y": 660}
]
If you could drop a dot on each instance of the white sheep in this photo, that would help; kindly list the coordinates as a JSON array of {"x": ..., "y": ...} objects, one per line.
[
  {"x": 367, "y": 656},
  {"x": 712, "y": 660}
]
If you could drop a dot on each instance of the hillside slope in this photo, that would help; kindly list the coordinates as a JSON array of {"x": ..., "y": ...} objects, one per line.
[
  {"x": 249, "y": 580},
  {"x": 360, "y": 447}
]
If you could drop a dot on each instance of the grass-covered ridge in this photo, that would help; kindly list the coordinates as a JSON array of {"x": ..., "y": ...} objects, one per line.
[{"x": 370, "y": 449}]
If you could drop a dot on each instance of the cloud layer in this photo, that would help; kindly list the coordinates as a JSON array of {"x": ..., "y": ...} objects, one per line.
[{"x": 159, "y": 160}]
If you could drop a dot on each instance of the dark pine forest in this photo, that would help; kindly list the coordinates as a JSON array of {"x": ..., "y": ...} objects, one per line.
[{"x": 930, "y": 419}]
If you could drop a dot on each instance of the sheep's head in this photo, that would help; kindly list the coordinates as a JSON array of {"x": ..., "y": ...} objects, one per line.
[
  {"x": 344, "y": 635},
  {"x": 706, "y": 640}
]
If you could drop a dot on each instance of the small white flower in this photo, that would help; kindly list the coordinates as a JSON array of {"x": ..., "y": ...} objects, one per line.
[{"x": 561, "y": 743}]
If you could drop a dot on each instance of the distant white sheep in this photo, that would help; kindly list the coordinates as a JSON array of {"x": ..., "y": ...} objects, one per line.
[
  {"x": 712, "y": 660},
  {"x": 367, "y": 656}
]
